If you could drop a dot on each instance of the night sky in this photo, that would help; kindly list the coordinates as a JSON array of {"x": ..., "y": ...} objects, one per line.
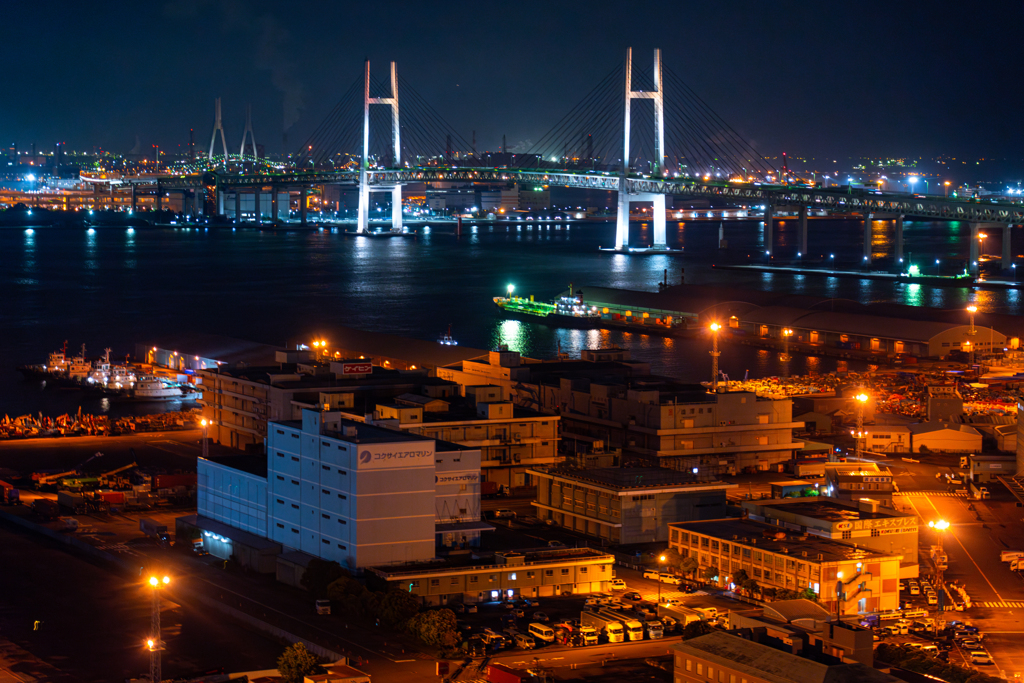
[{"x": 814, "y": 79}]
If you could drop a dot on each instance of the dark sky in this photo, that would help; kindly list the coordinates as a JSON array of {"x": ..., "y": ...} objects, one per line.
[{"x": 815, "y": 79}]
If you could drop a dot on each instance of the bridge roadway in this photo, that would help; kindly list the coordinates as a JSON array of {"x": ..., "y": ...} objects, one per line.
[
  {"x": 872, "y": 205},
  {"x": 836, "y": 199}
]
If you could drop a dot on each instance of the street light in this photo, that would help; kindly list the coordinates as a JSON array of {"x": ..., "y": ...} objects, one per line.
[
  {"x": 661, "y": 562},
  {"x": 981, "y": 244},
  {"x": 714, "y": 327},
  {"x": 154, "y": 643},
  {"x": 786, "y": 334},
  {"x": 862, "y": 398},
  {"x": 947, "y": 188},
  {"x": 913, "y": 181},
  {"x": 940, "y": 527},
  {"x": 206, "y": 447},
  {"x": 972, "y": 309}
]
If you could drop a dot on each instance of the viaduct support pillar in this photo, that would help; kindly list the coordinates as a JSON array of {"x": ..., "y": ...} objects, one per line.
[
  {"x": 660, "y": 241},
  {"x": 1007, "y": 261},
  {"x": 256, "y": 204},
  {"x": 274, "y": 212},
  {"x": 157, "y": 203},
  {"x": 722, "y": 244},
  {"x": 396, "y": 208},
  {"x": 622, "y": 217},
  {"x": 302, "y": 204},
  {"x": 803, "y": 230},
  {"x": 769, "y": 225},
  {"x": 238, "y": 205},
  {"x": 899, "y": 240},
  {"x": 868, "y": 219},
  {"x": 134, "y": 200}
]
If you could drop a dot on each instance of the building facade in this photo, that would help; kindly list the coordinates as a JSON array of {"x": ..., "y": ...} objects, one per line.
[
  {"x": 625, "y": 505},
  {"x": 506, "y": 575},
  {"x": 868, "y": 580}
]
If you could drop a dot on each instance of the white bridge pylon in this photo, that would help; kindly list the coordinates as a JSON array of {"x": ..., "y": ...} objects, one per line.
[
  {"x": 658, "y": 98},
  {"x": 364, "y": 167}
]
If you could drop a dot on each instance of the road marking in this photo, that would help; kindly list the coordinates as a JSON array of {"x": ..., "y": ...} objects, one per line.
[{"x": 967, "y": 554}]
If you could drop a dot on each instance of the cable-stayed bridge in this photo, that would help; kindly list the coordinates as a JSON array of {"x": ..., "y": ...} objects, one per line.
[{"x": 382, "y": 134}]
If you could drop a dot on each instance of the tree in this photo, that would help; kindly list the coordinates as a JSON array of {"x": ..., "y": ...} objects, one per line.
[
  {"x": 296, "y": 662},
  {"x": 319, "y": 574},
  {"x": 695, "y": 629},
  {"x": 688, "y": 565},
  {"x": 769, "y": 593},
  {"x": 435, "y": 628},
  {"x": 739, "y": 576},
  {"x": 710, "y": 573},
  {"x": 397, "y": 607},
  {"x": 344, "y": 586},
  {"x": 751, "y": 586}
]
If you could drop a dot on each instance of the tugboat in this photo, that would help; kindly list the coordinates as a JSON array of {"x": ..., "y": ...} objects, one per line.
[
  {"x": 155, "y": 389},
  {"x": 566, "y": 311},
  {"x": 447, "y": 338}
]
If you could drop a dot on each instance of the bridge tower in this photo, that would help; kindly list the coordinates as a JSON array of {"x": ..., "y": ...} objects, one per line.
[
  {"x": 658, "y": 199},
  {"x": 248, "y": 134},
  {"x": 218, "y": 126},
  {"x": 364, "y": 167}
]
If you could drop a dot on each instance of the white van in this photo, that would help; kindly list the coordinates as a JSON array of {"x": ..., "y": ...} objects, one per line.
[
  {"x": 542, "y": 632},
  {"x": 524, "y": 642},
  {"x": 709, "y": 613}
]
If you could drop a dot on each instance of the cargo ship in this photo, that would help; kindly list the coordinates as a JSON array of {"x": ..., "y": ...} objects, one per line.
[{"x": 565, "y": 311}]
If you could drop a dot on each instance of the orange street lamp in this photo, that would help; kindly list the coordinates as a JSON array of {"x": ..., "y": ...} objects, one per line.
[{"x": 714, "y": 327}]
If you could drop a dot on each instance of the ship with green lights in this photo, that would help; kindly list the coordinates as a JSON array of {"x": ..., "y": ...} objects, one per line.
[{"x": 565, "y": 311}]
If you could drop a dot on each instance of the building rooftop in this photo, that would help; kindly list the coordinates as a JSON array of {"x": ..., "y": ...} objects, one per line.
[
  {"x": 363, "y": 433},
  {"x": 761, "y": 661},
  {"x": 931, "y": 427},
  {"x": 766, "y": 537},
  {"x": 253, "y": 464},
  {"x": 502, "y": 560},
  {"x": 631, "y": 478},
  {"x": 827, "y": 509}
]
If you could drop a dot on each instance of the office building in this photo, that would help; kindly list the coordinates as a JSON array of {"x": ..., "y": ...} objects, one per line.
[
  {"x": 777, "y": 559},
  {"x": 804, "y": 626},
  {"x": 729, "y": 658},
  {"x": 504, "y": 575},
  {"x": 851, "y": 482},
  {"x": 328, "y": 489},
  {"x": 625, "y": 505}
]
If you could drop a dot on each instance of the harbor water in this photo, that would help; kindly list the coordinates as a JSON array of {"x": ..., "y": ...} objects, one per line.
[{"x": 116, "y": 286}]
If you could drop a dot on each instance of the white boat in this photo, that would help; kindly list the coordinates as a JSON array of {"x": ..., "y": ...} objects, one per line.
[
  {"x": 447, "y": 339},
  {"x": 155, "y": 389},
  {"x": 80, "y": 366}
]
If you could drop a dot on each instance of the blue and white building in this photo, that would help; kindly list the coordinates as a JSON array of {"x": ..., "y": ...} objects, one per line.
[{"x": 346, "y": 491}]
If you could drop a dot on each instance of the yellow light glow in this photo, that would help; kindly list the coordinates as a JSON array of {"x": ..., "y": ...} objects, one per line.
[
  {"x": 940, "y": 525},
  {"x": 661, "y": 559},
  {"x": 203, "y": 422},
  {"x": 153, "y": 581},
  {"x": 714, "y": 327},
  {"x": 972, "y": 309},
  {"x": 863, "y": 398},
  {"x": 150, "y": 643},
  {"x": 167, "y": 580}
]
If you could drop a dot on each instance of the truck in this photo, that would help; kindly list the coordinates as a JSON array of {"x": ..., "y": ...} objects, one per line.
[
  {"x": 809, "y": 470},
  {"x": 492, "y": 489},
  {"x": 589, "y": 634},
  {"x": 609, "y": 627},
  {"x": 938, "y": 556},
  {"x": 499, "y": 673},
  {"x": 153, "y": 528},
  {"x": 683, "y": 615},
  {"x": 9, "y": 495},
  {"x": 46, "y": 508},
  {"x": 1010, "y": 555},
  {"x": 631, "y": 625},
  {"x": 73, "y": 502},
  {"x": 172, "y": 481},
  {"x": 654, "y": 629},
  {"x": 323, "y": 607}
]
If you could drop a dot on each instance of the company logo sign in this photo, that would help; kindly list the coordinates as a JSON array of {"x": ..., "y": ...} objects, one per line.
[
  {"x": 456, "y": 478},
  {"x": 844, "y": 526},
  {"x": 365, "y": 457},
  {"x": 356, "y": 368},
  {"x": 377, "y": 457}
]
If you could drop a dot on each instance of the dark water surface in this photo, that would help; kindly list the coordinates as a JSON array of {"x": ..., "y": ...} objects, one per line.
[{"x": 115, "y": 286}]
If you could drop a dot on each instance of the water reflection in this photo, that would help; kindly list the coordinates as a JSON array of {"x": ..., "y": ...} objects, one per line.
[{"x": 513, "y": 335}]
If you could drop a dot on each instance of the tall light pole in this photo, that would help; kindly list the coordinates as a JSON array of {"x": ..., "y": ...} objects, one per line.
[
  {"x": 786, "y": 334},
  {"x": 661, "y": 563},
  {"x": 940, "y": 528},
  {"x": 972, "y": 309},
  {"x": 154, "y": 643},
  {"x": 946, "y": 184},
  {"x": 714, "y": 327},
  {"x": 862, "y": 398},
  {"x": 206, "y": 443}
]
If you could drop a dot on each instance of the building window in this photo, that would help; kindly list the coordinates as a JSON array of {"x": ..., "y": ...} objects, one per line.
[
  {"x": 342, "y": 497},
  {"x": 280, "y": 526},
  {"x": 565, "y": 571},
  {"x": 280, "y": 455},
  {"x": 529, "y": 575},
  {"x": 455, "y": 581},
  {"x": 295, "y": 506},
  {"x": 326, "y": 492},
  {"x": 294, "y": 459},
  {"x": 344, "y": 548},
  {"x": 435, "y": 582},
  {"x": 474, "y": 579},
  {"x": 325, "y": 467},
  {"x": 325, "y": 541},
  {"x": 549, "y": 572},
  {"x": 341, "y": 521},
  {"x": 325, "y": 516},
  {"x": 700, "y": 669},
  {"x": 280, "y": 478},
  {"x": 294, "y": 530},
  {"x": 280, "y": 502},
  {"x": 583, "y": 570},
  {"x": 847, "y": 535},
  {"x": 689, "y": 665}
]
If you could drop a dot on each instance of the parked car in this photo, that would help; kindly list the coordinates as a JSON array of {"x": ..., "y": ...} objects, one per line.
[
  {"x": 525, "y": 642},
  {"x": 540, "y": 616},
  {"x": 555, "y": 544},
  {"x": 651, "y": 574},
  {"x": 504, "y": 513},
  {"x": 618, "y": 585},
  {"x": 519, "y": 613},
  {"x": 980, "y": 657},
  {"x": 471, "y": 609},
  {"x": 632, "y": 596}
]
